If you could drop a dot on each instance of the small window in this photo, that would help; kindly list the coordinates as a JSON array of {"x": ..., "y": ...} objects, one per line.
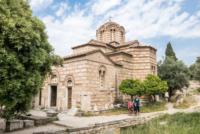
[
  {"x": 54, "y": 79},
  {"x": 69, "y": 83},
  {"x": 102, "y": 72}
]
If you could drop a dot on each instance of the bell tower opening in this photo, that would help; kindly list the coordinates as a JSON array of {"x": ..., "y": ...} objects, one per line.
[{"x": 110, "y": 32}]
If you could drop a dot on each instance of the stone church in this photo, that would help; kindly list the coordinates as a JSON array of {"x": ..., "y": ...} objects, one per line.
[{"x": 92, "y": 74}]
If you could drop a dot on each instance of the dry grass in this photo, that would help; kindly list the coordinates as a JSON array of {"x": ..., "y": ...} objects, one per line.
[
  {"x": 147, "y": 108},
  {"x": 186, "y": 104}
]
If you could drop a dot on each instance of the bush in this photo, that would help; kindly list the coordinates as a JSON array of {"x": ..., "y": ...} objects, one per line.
[{"x": 198, "y": 89}]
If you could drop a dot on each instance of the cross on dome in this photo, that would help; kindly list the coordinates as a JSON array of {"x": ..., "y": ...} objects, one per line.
[{"x": 110, "y": 18}]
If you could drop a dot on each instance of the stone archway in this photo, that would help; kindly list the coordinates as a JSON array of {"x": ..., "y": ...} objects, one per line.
[{"x": 69, "y": 83}]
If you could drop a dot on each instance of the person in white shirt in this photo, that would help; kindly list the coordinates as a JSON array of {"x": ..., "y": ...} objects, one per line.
[{"x": 166, "y": 96}]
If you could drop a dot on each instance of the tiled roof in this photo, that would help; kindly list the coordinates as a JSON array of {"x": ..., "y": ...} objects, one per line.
[
  {"x": 87, "y": 53},
  {"x": 103, "y": 44},
  {"x": 142, "y": 45},
  {"x": 111, "y": 53},
  {"x": 93, "y": 43},
  {"x": 80, "y": 54}
]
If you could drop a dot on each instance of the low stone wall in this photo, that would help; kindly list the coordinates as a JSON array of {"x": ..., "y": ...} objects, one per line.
[
  {"x": 100, "y": 128},
  {"x": 103, "y": 111},
  {"x": 39, "y": 120}
]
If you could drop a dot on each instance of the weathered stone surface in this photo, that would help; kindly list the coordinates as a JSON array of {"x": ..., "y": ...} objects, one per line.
[
  {"x": 51, "y": 114},
  {"x": 14, "y": 124},
  {"x": 38, "y": 120},
  {"x": 28, "y": 123},
  {"x": 45, "y": 110},
  {"x": 72, "y": 111}
]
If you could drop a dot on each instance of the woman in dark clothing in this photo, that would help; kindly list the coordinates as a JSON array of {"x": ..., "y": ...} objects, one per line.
[{"x": 138, "y": 104}]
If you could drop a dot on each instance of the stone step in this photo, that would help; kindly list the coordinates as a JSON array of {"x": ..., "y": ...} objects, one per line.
[
  {"x": 38, "y": 108},
  {"x": 65, "y": 111}
]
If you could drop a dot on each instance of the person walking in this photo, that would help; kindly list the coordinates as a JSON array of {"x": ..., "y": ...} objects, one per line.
[
  {"x": 130, "y": 107},
  {"x": 138, "y": 104},
  {"x": 166, "y": 96}
]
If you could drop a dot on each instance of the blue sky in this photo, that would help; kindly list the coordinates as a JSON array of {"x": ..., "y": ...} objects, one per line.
[{"x": 151, "y": 22}]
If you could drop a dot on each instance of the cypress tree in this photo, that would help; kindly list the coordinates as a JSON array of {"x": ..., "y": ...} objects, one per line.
[
  {"x": 170, "y": 52},
  {"x": 26, "y": 56},
  {"x": 198, "y": 60}
]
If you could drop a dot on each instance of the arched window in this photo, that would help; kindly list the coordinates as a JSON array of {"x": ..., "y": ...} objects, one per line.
[
  {"x": 110, "y": 34},
  {"x": 114, "y": 35},
  {"x": 102, "y": 72},
  {"x": 101, "y": 36},
  {"x": 54, "y": 79},
  {"x": 69, "y": 83},
  {"x": 153, "y": 69},
  {"x": 122, "y": 37}
]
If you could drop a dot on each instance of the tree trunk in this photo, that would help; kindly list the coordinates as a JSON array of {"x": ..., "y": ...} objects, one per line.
[
  {"x": 154, "y": 98},
  {"x": 132, "y": 97},
  {"x": 170, "y": 94}
]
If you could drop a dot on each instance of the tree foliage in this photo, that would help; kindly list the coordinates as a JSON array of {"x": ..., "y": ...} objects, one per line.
[
  {"x": 131, "y": 87},
  {"x": 154, "y": 85},
  {"x": 198, "y": 60},
  {"x": 192, "y": 68},
  {"x": 26, "y": 56},
  {"x": 170, "y": 52},
  {"x": 175, "y": 73},
  {"x": 197, "y": 72}
]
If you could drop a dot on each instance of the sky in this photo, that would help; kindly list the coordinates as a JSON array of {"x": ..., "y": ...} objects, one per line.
[{"x": 152, "y": 22}]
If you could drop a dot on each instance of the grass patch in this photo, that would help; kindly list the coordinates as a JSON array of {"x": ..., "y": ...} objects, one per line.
[
  {"x": 186, "y": 104},
  {"x": 146, "y": 108},
  {"x": 179, "y": 123},
  {"x": 198, "y": 107}
]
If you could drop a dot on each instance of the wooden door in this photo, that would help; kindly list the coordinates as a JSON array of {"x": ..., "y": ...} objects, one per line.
[
  {"x": 40, "y": 97},
  {"x": 69, "y": 98},
  {"x": 53, "y": 95}
]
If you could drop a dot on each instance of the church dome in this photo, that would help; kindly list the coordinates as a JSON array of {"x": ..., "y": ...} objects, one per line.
[{"x": 110, "y": 32}]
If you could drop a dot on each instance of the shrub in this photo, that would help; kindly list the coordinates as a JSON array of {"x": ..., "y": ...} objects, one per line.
[{"x": 198, "y": 89}]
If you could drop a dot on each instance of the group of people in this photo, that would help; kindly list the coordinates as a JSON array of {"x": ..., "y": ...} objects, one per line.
[{"x": 135, "y": 105}]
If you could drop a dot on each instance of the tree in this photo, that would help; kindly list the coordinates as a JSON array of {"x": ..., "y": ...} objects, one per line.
[
  {"x": 170, "y": 52},
  {"x": 198, "y": 60},
  {"x": 26, "y": 56},
  {"x": 192, "y": 69},
  {"x": 132, "y": 87},
  {"x": 197, "y": 72},
  {"x": 154, "y": 85},
  {"x": 175, "y": 73}
]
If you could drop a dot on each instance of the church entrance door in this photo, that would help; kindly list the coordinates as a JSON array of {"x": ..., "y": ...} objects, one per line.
[
  {"x": 69, "y": 97},
  {"x": 53, "y": 95},
  {"x": 40, "y": 97}
]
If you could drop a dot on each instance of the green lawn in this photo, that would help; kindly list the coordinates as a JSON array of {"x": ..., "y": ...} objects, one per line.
[{"x": 179, "y": 123}]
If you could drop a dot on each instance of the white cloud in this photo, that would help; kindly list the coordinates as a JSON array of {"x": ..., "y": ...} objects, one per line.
[
  {"x": 37, "y": 5},
  {"x": 142, "y": 19},
  {"x": 99, "y": 7},
  {"x": 63, "y": 8}
]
